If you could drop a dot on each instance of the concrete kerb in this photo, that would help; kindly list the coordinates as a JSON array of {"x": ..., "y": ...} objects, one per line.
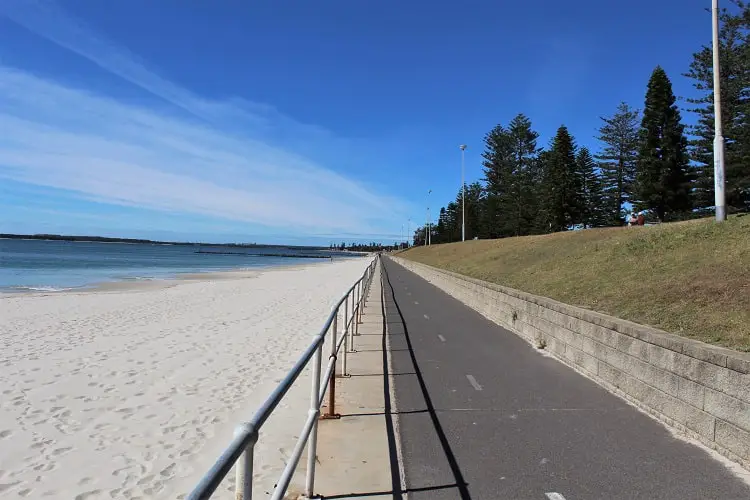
[{"x": 698, "y": 390}]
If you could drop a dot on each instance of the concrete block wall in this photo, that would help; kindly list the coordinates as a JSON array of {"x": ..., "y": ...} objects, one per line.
[{"x": 700, "y": 390}]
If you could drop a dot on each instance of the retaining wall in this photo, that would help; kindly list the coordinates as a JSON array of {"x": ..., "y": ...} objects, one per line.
[{"x": 700, "y": 390}]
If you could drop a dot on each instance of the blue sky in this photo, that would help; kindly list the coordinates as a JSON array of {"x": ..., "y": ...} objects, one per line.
[{"x": 303, "y": 122}]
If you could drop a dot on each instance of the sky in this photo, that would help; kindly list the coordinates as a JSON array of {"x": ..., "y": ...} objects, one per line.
[{"x": 299, "y": 122}]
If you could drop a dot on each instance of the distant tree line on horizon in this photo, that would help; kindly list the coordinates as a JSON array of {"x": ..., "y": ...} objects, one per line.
[
  {"x": 645, "y": 160},
  {"x": 138, "y": 241},
  {"x": 363, "y": 247}
]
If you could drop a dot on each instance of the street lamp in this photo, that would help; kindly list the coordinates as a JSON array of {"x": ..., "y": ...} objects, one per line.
[
  {"x": 428, "y": 236},
  {"x": 719, "y": 197},
  {"x": 463, "y": 195}
]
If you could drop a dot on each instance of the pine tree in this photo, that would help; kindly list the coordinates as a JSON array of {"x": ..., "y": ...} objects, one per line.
[
  {"x": 496, "y": 172},
  {"x": 734, "y": 50},
  {"x": 418, "y": 238},
  {"x": 509, "y": 159},
  {"x": 662, "y": 181},
  {"x": 440, "y": 228},
  {"x": 561, "y": 190},
  {"x": 453, "y": 221},
  {"x": 619, "y": 134},
  {"x": 593, "y": 211},
  {"x": 474, "y": 207}
]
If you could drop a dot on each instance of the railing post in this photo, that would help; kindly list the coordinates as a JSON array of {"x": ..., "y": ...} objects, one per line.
[
  {"x": 365, "y": 283},
  {"x": 346, "y": 338},
  {"x": 362, "y": 295},
  {"x": 243, "y": 484},
  {"x": 355, "y": 328},
  {"x": 360, "y": 290},
  {"x": 355, "y": 311},
  {"x": 332, "y": 390},
  {"x": 312, "y": 447}
]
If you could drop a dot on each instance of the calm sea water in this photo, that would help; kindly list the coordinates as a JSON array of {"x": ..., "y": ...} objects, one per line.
[{"x": 59, "y": 265}]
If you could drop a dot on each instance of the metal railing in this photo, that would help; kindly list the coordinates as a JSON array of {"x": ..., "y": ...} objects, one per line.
[{"x": 240, "y": 449}]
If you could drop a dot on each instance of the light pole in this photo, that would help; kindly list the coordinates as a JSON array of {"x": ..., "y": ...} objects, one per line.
[
  {"x": 719, "y": 197},
  {"x": 428, "y": 236},
  {"x": 427, "y": 228},
  {"x": 463, "y": 194},
  {"x": 408, "y": 233}
]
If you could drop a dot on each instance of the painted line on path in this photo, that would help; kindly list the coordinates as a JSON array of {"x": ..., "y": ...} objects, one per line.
[
  {"x": 554, "y": 496},
  {"x": 478, "y": 387},
  {"x": 442, "y": 339}
]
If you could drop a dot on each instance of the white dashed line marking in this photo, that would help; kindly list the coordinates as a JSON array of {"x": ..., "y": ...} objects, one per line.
[
  {"x": 426, "y": 317},
  {"x": 478, "y": 387},
  {"x": 442, "y": 339},
  {"x": 417, "y": 303},
  {"x": 554, "y": 496}
]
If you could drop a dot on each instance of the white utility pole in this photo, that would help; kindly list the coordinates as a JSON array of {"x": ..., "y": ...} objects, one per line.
[
  {"x": 408, "y": 233},
  {"x": 463, "y": 195},
  {"x": 719, "y": 196},
  {"x": 428, "y": 236},
  {"x": 426, "y": 223},
  {"x": 427, "y": 228}
]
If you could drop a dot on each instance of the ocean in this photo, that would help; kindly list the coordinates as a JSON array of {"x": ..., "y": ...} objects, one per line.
[{"x": 40, "y": 265}]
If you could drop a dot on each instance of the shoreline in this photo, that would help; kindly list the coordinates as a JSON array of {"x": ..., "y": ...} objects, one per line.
[{"x": 136, "y": 284}]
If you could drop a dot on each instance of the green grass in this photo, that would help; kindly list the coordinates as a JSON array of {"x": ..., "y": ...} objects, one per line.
[{"x": 689, "y": 278}]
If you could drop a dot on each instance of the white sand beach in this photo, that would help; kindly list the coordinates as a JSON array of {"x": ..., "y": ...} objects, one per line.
[{"x": 133, "y": 393}]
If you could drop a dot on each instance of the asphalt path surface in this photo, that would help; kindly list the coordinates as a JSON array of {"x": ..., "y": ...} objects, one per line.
[{"x": 484, "y": 415}]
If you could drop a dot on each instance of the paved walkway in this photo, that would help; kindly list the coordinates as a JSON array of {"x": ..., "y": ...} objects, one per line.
[
  {"x": 483, "y": 415},
  {"x": 357, "y": 453}
]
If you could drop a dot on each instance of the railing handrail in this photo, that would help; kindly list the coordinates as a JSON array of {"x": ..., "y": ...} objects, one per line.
[{"x": 246, "y": 435}]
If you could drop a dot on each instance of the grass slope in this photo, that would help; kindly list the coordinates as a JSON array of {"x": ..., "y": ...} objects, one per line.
[{"x": 690, "y": 278}]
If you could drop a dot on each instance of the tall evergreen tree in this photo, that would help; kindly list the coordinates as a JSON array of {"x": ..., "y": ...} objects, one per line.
[
  {"x": 619, "y": 135},
  {"x": 662, "y": 180},
  {"x": 593, "y": 210},
  {"x": 496, "y": 172},
  {"x": 475, "y": 195},
  {"x": 509, "y": 159},
  {"x": 453, "y": 222},
  {"x": 448, "y": 228},
  {"x": 734, "y": 50},
  {"x": 440, "y": 228},
  {"x": 419, "y": 236},
  {"x": 561, "y": 185}
]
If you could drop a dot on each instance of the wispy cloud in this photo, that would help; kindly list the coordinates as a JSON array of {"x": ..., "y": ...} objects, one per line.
[{"x": 220, "y": 165}]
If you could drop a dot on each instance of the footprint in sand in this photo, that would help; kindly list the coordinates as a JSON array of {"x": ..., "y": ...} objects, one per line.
[
  {"x": 7, "y": 486},
  {"x": 145, "y": 480},
  {"x": 168, "y": 471},
  {"x": 61, "y": 451},
  {"x": 87, "y": 494}
]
